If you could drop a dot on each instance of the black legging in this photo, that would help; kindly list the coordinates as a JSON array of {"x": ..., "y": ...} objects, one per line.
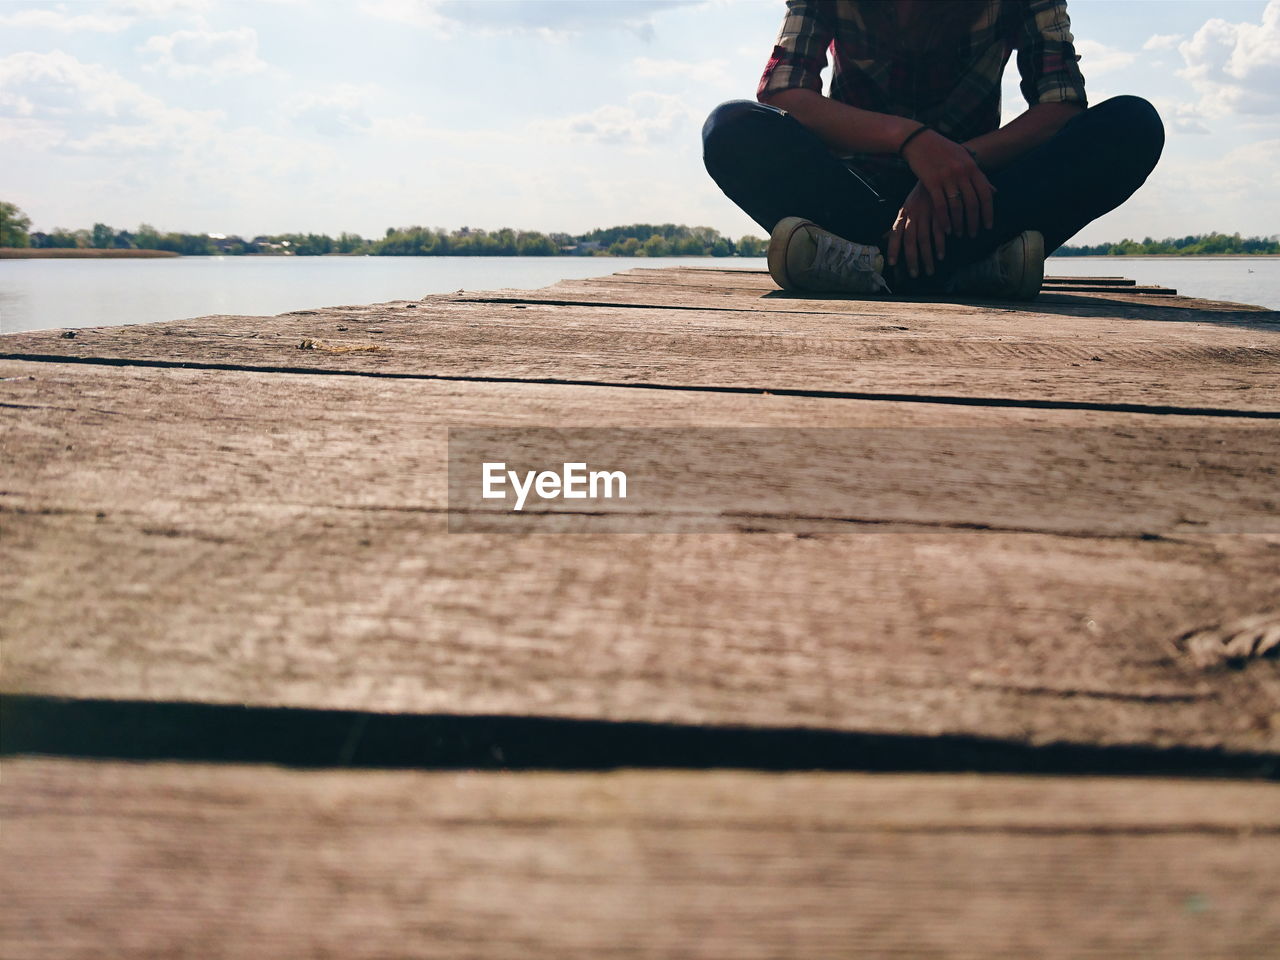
[{"x": 773, "y": 167}]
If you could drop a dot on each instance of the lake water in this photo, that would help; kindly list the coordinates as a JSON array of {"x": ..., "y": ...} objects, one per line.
[
  {"x": 1253, "y": 280},
  {"x": 45, "y": 294}
]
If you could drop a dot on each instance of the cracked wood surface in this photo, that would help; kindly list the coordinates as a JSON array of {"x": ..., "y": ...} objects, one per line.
[
  {"x": 123, "y": 439},
  {"x": 280, "y": 539},
  {"x": 235, "y": 537},
  {"x": 1095, "y": 349},
  {"x": 162, "y": 860}
]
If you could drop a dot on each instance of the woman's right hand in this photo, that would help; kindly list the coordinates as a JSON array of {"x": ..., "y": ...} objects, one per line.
[{"x": 960, "y": 192}]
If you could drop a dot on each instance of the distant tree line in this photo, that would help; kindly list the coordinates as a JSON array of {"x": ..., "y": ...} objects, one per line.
[
  {"x": 635, "y": 240},
  {"x": 1189, "y": 246}
]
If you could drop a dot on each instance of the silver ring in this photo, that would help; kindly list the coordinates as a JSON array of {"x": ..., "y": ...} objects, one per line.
[{"x": 953, "y": 196}]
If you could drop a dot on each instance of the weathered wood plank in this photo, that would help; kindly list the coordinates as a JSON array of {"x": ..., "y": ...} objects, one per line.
[
  {"x": 1096, "y": 281},
  {"x": 739, "y": 273},
  {"x": 735, "y": 271},
  {"x": 759, "y": 280},
  {"x": 759, "y": 284},
  {"x": 1090, "y": 287},
  {"x": 696, "y": 278},
  {"x": 78, "y": 437},
  {"x": 161, "y": 860},
  {"x": 895, "y": 349},
  {"x": 443, "y": 320},
  {"x": 1024, "y": 638},
  {"x": 278, "y": 540},
  {"x": 695, "y": 285}
]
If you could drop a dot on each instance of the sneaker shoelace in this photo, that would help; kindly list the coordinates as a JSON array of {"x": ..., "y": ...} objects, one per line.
[{"x": 838, "y": 259}]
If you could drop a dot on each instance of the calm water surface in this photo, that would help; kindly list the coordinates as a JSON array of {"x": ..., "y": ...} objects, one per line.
[
  {"x": 44, "y": 294},
  {"x": 1253, "y": 280}
]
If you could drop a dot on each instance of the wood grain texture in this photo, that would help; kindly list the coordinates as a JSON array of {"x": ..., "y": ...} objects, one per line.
[
  {"x": 133, "y": 438},
  {"x": 1101, "y": 292},
  {"x": 161, "y": 860},
  {"x": 758, "y": 281},
  {"x": 279, "y": 540},
  {"x": 1098, "y": 351},
  {"x": 226, "y": 536}
]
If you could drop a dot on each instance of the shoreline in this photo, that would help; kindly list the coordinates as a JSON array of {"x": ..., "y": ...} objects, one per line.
[
  {"x": 77, "y": 253},
  {"x": 1165, "y": 256},
  {"x": 91, "y": 253}
]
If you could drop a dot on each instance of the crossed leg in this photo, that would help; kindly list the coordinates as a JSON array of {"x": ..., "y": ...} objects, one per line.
[{"x": 773, "y": 167}]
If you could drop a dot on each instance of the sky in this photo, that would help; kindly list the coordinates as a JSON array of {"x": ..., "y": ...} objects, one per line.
[{"x": 270, "y": 116}]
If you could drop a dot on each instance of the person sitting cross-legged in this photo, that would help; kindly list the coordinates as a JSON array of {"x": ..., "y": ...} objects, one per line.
[{"x": 903, "y": 178}]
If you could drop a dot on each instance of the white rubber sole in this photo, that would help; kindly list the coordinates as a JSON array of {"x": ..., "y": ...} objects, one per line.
[
  {"x": 1033, "y": 256},
  {"x": 779, "y": 241}
]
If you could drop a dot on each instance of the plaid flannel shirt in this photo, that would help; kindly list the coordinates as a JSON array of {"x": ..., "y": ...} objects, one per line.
[{"x": 955, "y": 88}]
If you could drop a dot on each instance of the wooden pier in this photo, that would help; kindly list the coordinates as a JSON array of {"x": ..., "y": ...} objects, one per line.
[{"x": 259, "y": 701}]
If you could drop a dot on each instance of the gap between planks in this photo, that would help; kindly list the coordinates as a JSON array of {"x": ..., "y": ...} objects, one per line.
[{"x": 974, "y": 401}]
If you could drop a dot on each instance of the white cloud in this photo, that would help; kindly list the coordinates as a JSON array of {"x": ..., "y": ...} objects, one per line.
[
  {"x": 414, "y": 13},
  {"x": 1235, "y": 67},
  {"x": 607, "y": 136},
  {"x": 1162, "y": 41},
  {"x": 711, "y": 73},
  {"x": 1011, "y": 99},
  {"x": 55, "y": 100},
  {"x": 645, "y": 118},
  {"x": 56, "y": 85},
  {"x": 65, "y": 22},
  {"x": 68, "y": 116},
  {"x": 28, "y": 134},
  {"x": 1098, "y": 59},
  {"x": 107, "y": 17},
  {"x": 1180, "y": 117},
  {"x": 1232, "y": 191},
  {"x": 206, "y": 53},
  {"x": 160, "y": 9},
  {"x": 554, "y": 19},
  {"x": 1187, "y": 118},
  {"x": 416, "y": 129},
  {"x": 1246, "y": 176},
  {"x": 338, "y": 111}
]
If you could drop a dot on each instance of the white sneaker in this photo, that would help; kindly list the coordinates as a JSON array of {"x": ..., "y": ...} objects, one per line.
[
  {"x": 803, "y": 256},
  {"x": 1014, "y": 272}
]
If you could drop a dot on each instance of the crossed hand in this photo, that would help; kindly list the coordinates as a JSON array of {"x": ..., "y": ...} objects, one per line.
[{"x": 953, "y": 195}]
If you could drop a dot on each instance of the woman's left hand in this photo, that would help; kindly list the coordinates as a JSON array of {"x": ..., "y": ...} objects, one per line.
[{"x": 917, "y": 235}]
